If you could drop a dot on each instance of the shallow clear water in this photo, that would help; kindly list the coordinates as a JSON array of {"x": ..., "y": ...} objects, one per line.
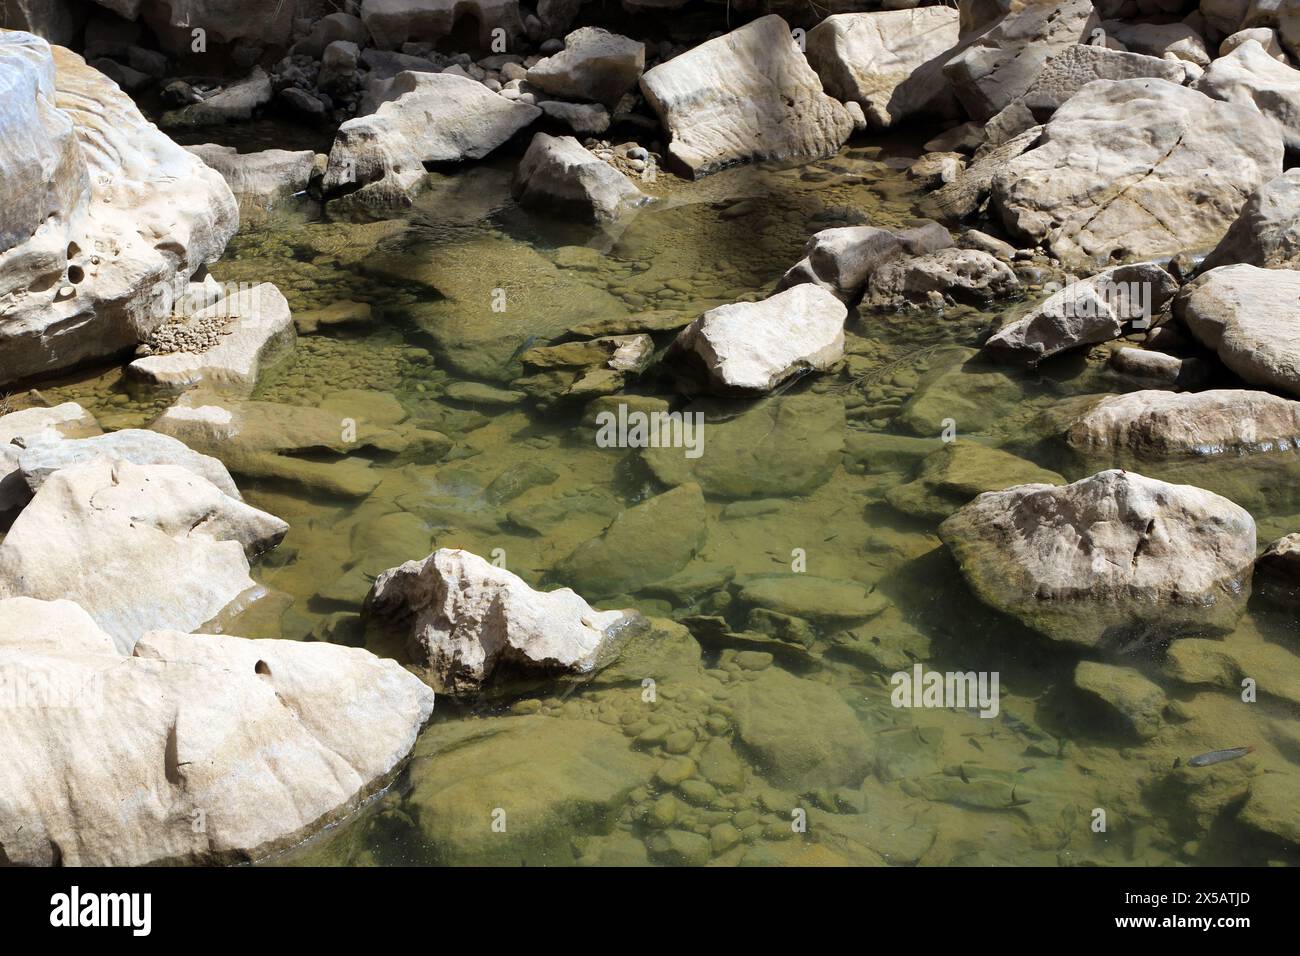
[{"x": 741, "y": 737}]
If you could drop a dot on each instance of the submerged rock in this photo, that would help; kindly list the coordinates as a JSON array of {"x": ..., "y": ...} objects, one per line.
[
  {"x": 1096, "y": 309},
  {"x": 242, "y": 747},
  {"x": 890, "y": 63},
  {"x": 1137, "y": 701},
  {"x": 559, "y": 173},
  {"x": 165, "y": 548},
  {"x": 92, "y": 190},
  {"x": 1248, "y": 316},
  {"x": 646, "y": 543},
  {"x": 1136, "y": 169},
  {"x": 466, "y": 617},
  {"x": 1109, "y": 558},
  {"x": 755, "y": 346},
  {"x": 749, "y": 95},
  {"x": 842, "y": 259},
  {"x": 956, "y": 473}
]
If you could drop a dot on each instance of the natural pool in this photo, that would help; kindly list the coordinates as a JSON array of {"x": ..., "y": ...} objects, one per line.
[{"x": 766, "y": 734}]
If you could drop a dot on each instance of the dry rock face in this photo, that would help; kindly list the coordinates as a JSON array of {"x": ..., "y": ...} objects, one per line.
[
  {"x": 257, "y": 330},
  {"x": 1267, "y": 233},
  {"x": 1154, "y": 424},
  {"x": 1251, "y": 77},
  {"x": 168, "y": 548},
  {"x": 594, "y": 65},
  {"x": 264, "y": 741},
  {"x": 560, "y": 173},
  {"x": 95, "y": 190},
  {"x": 743, "y": 97},
  {"x": 30, "y": 426},
  {"x": 1096, "y": 309},
  {"x": 1108, "y": 559},
  {"x": 394, "y": 22},
  {"x": 1136, "y": 169},
  {"x": 262, "y": 180},
  {"x": 431, "y": 118},
  {"x": 755, "y": 346},
  {"x": 1003, "y": 62},
  {"x": 942, "y": 277},
  {"x": 1249, "y": 316},
  {"x": 468, "y": 616},
  {"x": 889, "y": 63}
]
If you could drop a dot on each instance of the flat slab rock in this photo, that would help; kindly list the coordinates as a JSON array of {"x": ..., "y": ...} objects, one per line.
[
  {"x": 755, "y": 346},
  {"x": 747, "y": 96},
  {"x": 467, "y": 616},
  {"x": 1109, "y": 559},
  {"x": 264, "y": 741}
]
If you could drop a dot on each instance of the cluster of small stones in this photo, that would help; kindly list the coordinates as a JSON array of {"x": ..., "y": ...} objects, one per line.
[
  {"x": 630, "y": 159},
  {"x": 187, "y": 334}
]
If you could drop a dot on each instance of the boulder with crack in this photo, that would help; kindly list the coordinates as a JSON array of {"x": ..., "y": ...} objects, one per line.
[
  {"x": 560, "y": 173},
  {"x": 429, "y": 118},
  {"x": 1097, "y": 309},
  {"x": 137, "y": 546},
  {"x": 747, "y": 96},
  {"x": 755, "y": 346},
  {"x": 1249, "y": 316},
  {"x": 104, "y": 217},
  {"x": 1108, "y": 560},
  {"x": 890, "y": 63},
  {"x": 466, "y": 617},
  {"x": 267, "y": 741},
  {"x": 1131, "y": 169}
]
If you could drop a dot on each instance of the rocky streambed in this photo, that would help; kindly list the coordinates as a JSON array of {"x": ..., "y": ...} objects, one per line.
[{"x": 956, "y": 413}]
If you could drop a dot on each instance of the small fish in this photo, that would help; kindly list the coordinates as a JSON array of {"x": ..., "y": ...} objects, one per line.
[{"x": 1218, "y": 756}]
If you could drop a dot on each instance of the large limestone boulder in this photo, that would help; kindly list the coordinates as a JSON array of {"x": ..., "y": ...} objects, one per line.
[
  {"x": 138, "y": 546},
  {"x": 467, "y": 617},
  {"x": 393, "y": 23},
  {"x": 430, "y": 118},
  {"x": 1136, "y": 169},
  {"x": 1249, "y": 316},
  {"x": 263, "y": 180},
  {"x": 1250, "y": 77},
  {"x": 560, "y": 173},
  {"x": 254, "y": 328},
  {"x": 755, "y": 346},
  {"x": 105, "y": 217},
  {"x": 1155, "y": 424},
  {"x": 939, "y": 278},
  {"x": 890, "y": 63},
  {"x": 1097, "y": 309},
  {"x": 747, "y": 96},
  {"x": 1267, "y": 233},
  {"x": 195, "y": 749},
  {"x": 1107, "y": 560},
  {"x": 594, "y": 65},
  {"x": 1005, "y": 59}
]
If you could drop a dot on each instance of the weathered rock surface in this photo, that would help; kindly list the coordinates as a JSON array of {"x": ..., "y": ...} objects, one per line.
[
  {"x": 168, "y": 549},
  {"x": 956, "y": 473},
  {"x": 1172, "y": 41},
  {"x": 1154, "y": 424},
  {"x": 1097, "y": 309},
  {"x": 21, "y": 429},
  {"x": 263, "y": 180},
  {"x": 939, "y": 278},
  {"x": 755, "y": 346},
  {"x": 259, "y": 330},
  {"x": 890, "y": 63},
  {"x": 646, "y": 543},
  {"x": 1249, "y": 316},
  {"x": 843, "y": 258},
  {"x": 1136, "y": 169},
  {"x": 393, "y": 23},
  {"x": 1267, "y": 233},
  {"x": 430, "y": 118},
  {"x": 594, "y": 65},
  {"x": 92, "y": 194},
  {"x": 749, "y": 95},
  {"x": 966, "y": 194},
  {"x": 558, "y": 172},
  {"x": 1108, "y": 559},
  {"x": 1249, "y": 76},
  {"x": 467, "y": 617},
  {"x": 1137, "y": 701},
  {"x": 1003, "y": 62},
  {"x": 262, "y": 741}
]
